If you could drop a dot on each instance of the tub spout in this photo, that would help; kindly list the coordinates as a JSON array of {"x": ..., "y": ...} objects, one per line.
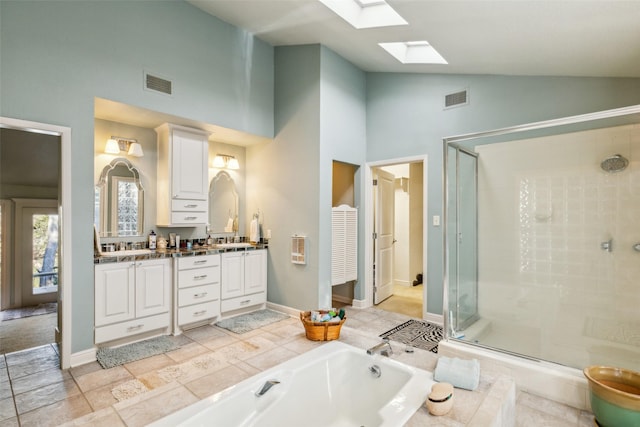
[
  {"x": 266, "y": 386},
  {"x": 384, "y": 348}
]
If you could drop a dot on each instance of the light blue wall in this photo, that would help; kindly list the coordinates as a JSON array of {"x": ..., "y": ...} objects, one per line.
[
  {"x": 57, "y": 56},
  {"x": 320, "y": 117},
  {"x": 283, "y": 177},
  {"x": 342, "y": 138},
  {"x": 405, "y": 117}
]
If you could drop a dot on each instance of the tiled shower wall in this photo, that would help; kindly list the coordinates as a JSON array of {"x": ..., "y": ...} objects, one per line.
[{"x": 545, "y": 208}]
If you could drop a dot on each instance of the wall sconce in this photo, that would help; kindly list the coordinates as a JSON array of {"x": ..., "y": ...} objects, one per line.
[
  {"x": 117, "y": 144},
  {"x": 225, "y": 161}
]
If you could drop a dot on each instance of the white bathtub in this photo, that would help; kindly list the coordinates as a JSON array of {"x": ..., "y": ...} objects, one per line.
[{"x": 331, "y": 385}]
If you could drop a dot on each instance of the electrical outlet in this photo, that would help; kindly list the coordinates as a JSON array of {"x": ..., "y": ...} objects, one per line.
[{"x": 436, "y": 220}]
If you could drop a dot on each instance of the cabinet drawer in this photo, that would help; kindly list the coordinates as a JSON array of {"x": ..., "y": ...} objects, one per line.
[
  {"x": 179, "y": 205},
  {"x": 198, "y": 312},
  {"x": 198, "y": 294},
  {"x": 241, "y": 302},
  {"x": 132, "y": 327},
  {"x": 198, "y": 261},
  {"x": 189, "y": 218},
  {"x": 198, "y": 276}
]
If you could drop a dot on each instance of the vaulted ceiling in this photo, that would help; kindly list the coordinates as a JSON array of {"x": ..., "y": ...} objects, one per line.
[{"x": 507, "y": 37}]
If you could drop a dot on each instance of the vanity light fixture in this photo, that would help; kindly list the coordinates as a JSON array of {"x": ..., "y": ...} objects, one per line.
[
  {"x": 117, "y": 144},
  {"x": 226, "y": 161}
]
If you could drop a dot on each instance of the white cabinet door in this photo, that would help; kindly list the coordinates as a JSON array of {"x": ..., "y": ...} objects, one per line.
[
  {"x": 255, "y": 271},
  {"x": 190, "y": 173},
  {"x": 182, "y": 179},
  {"x": 232, "y": 275},
  {"x": 114, "y": 293},
  {"x": 153, "y": 287}
]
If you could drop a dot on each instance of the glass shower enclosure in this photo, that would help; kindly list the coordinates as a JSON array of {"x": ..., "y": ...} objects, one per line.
[
  {"x": 462, "y": 232},
  {"x": 542, "y": 239}
]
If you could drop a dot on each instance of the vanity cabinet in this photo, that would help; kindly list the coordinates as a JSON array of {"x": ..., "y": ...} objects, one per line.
[
  {"x": 198, "y": 289},
  {"x": 183, "y": 176},
  {"x": 244, "y": 279},
  {"x": 131, "y": 298}
]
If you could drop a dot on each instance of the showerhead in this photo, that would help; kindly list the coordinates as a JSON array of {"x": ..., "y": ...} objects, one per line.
[{"x": 615, "y": 163}]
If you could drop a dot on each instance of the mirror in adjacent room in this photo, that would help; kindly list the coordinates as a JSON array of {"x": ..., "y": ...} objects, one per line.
[
  {"x": 119, "y": 200},
  {"x": 223, "y": 204}
]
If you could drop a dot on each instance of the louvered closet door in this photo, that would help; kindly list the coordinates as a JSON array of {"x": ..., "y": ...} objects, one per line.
[
  {"x": 344, "y": 244},
  {"x": 338, "y": 239},
  {"x": 351, "y": 245}
]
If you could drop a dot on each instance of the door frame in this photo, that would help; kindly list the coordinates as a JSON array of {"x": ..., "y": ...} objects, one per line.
[
  {"x": 369, "y": 226},
  {"x": 64, "y": 212}
]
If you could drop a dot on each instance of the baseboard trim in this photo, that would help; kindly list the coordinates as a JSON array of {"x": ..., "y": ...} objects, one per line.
[
  {"x": 359, "y": 303},
  {"x": 438, "y": 319},
  {"x": 83, "y": 357},
  {"x": 293, "y": 312}
]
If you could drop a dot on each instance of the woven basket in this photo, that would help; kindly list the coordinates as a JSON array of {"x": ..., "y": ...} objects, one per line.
[{"x": 320, "y": 331}]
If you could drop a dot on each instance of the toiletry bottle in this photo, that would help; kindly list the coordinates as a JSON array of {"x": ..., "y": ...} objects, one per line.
[
  {"x": 209, "y": 240},
  {"x": 152, "y": 240}
]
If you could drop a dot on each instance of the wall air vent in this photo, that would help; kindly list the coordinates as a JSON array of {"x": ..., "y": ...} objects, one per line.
[
  {"x": 456, "y": 99},
  {"x": 157, "y": 84}
]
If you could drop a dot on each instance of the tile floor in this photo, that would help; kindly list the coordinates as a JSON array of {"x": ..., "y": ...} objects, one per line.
[{"x": 34, "y": 392}]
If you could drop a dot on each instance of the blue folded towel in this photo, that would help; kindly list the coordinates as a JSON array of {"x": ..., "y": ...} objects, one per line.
[{"x": 458, "y": 372}]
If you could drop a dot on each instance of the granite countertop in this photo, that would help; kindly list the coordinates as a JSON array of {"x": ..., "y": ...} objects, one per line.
[{"x": 126, "y": 256}]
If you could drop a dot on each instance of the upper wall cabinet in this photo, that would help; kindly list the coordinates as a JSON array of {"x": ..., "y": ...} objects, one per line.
[{"x": 183, "y": 176}]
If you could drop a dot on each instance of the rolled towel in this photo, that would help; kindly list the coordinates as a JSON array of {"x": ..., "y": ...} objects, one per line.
[
  {"x": 254, "y": 231},
  {"x": 458, "y": 372}
]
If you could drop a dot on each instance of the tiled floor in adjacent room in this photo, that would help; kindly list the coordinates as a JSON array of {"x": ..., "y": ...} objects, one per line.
[{"x": 34, "y": 392}]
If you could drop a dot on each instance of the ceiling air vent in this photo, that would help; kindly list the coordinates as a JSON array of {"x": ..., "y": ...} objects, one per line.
[
  {"x": 456, "y": 99},
  {"x": 157, "y": 84}
]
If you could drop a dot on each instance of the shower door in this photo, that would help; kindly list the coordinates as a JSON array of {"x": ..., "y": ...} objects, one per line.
[{"x": 462, "y": 236}]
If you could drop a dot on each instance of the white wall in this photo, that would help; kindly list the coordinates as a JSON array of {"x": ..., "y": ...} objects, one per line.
[{"x": 545, "y": 206}]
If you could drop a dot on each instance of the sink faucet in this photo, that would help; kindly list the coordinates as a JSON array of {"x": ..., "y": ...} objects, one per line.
[
  {"x": 266, "y": 386},
  {"x": 384, "y": 348}
]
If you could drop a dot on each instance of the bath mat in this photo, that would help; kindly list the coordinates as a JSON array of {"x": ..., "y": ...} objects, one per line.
[
  {"x": 248, "y": 322},
  {"x": 110, "y": 357},
  {"x": 418, "y": 334},
  {"x": 36, "y": 310}
]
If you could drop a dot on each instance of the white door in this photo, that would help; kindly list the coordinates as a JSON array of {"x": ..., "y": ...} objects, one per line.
[
  {"x": 153, "y": 287},
  {"x": 37, "y": 251},
  {"x": 255, "y": 271},
  {"x": 190, "y": 170},
  {"x": 384, "y": 194},
  {"x": 232, "y": 275},
  {"x": 114, "y": 292}
]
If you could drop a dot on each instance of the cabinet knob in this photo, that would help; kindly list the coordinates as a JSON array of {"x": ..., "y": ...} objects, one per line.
[
  {"x": 199, "y": 313},
  {"x": 200, "y": 277},
  {"x": 200, "y": 295}
]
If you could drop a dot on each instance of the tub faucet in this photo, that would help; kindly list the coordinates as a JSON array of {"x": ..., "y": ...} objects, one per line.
[
  {"x": 266, "y": 386},
  {"x": 384, "y": 348}
]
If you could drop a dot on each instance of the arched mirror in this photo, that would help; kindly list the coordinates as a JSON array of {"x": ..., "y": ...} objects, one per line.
[
  {"x": 119, "y": 200},
  {"x": 223, "y": 204}
]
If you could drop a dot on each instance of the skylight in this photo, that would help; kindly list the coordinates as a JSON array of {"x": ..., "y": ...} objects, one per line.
[
  {"x": 365, "y": 13},
  {"x": 414, "y": 52}
]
